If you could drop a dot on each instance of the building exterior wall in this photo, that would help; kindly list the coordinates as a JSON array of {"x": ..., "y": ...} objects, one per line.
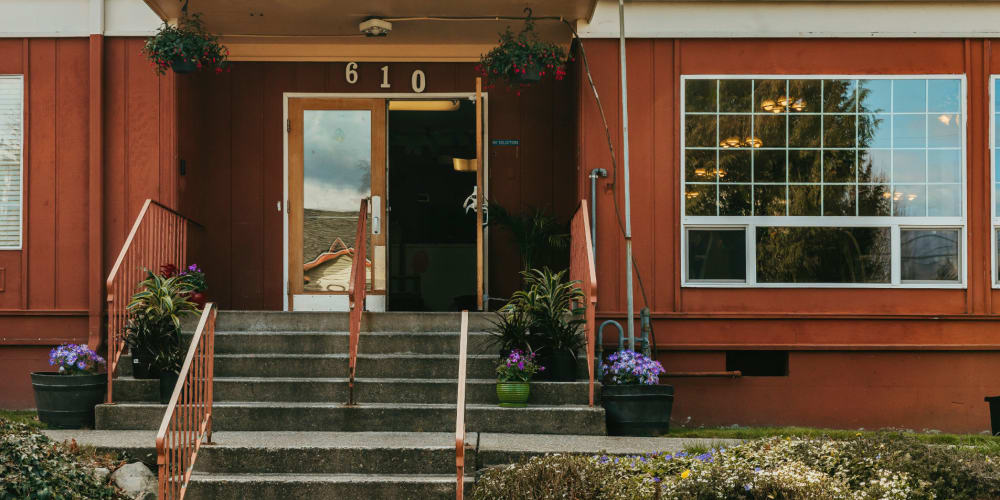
[
  {"x": 231, "y": 132},
  {"x": 900, "y": 337},
  {"x": 45, "y": 297}
]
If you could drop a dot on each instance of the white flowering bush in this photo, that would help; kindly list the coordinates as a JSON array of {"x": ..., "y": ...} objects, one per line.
[{"x": 869, "y": 467}]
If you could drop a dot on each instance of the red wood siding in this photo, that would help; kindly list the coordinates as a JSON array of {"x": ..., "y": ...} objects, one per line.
[
  {"x": 883, "y": 349},
  {"x": 231, "y": 140},
  {"x": 45, "y": 289}
]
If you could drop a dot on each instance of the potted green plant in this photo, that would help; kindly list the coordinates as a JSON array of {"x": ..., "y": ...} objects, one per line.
[
  {"x": 514, "y": 376},
  {"x": 185, "y": 48},
  {"x": 522, "y": 59},
  {"x": 153, "y": 331},
  {"x": 634, "y": 402},
  {"x": 541, "y": 239},
  {"x": 65, "y": 398},
  {"x": 511, "y": 330},
  {"x": 556, "y": 317}
]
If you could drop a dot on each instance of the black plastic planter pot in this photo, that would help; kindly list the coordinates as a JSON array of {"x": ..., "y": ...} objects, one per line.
[
  {"x": 637, "y": 410},
  {"x": 167, "y": 382},
  {"x": 67, "y": 401},
  {"x": 531, "y": 75},
  {"x": 141, "y": 367},
  {"x": 183, "y": 67},
  {"x": 562, "y": 366}
]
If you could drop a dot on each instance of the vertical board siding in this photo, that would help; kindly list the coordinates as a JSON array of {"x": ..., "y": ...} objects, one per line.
[{"x": 231, "y": 139}]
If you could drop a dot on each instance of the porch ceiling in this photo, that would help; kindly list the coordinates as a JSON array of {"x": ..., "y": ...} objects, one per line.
[
  {"x": 327, "y": 30},
  {"x": 340, "y": 17}
]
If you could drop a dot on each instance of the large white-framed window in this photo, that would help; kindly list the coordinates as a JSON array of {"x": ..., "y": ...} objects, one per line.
[
  {"x": 823, "y": 181},
  {"x": 11, "y": 163},
  {"x": 994, "y": 92}
]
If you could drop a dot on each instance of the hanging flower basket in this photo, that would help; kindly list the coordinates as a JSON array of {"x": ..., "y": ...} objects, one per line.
[
  {"x": 185, "y": 48},
  {"x": 522, "y": 59}
]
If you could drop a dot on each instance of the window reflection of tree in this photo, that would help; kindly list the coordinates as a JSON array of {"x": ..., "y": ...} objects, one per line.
[{"x": 933, "y": 255}]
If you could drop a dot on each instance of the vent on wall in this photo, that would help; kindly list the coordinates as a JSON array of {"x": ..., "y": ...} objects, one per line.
[{"x": 758, "y": 363}]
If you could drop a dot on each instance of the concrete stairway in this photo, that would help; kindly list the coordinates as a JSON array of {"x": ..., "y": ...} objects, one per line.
[{"x": 280, "y": 381}]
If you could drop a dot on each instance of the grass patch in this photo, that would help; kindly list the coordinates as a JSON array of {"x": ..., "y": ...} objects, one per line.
[
  {"x": 980, "y": 442},
  {"x": 26, "y": 417}
]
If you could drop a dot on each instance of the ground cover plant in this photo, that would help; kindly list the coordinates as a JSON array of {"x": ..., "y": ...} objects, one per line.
[
  {"x": 881, "y": 465},
  {"x": 34, "y": 466}
]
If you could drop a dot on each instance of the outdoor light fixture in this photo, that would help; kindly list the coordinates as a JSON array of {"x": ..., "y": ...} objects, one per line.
[
  {"x": 423, "y": 105},
  {"x": 464, "y": 164},
  {"x": 375, "y": 27}
]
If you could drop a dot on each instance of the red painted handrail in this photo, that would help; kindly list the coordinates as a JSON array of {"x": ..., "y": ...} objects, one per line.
[
  {"x": 159, "y": 236},
  {"x": 463, "y": 346},
  {"x": 581, "y": 268},
  {"x": 357, "y": 293},
  {"x": 188, "y": 419}
]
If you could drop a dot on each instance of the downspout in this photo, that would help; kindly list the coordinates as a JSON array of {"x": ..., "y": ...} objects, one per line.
[
  {"x": 594, "y": 174},
  {"x": 628, "y": 198}
]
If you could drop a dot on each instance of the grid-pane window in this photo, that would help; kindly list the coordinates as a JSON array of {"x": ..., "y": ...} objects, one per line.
[
  {"x": 11, "y": 119},
  {"x": 826, "y": 176}
]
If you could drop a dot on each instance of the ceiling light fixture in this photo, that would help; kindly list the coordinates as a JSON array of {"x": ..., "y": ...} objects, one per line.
[{"x": 423, "y": 105}]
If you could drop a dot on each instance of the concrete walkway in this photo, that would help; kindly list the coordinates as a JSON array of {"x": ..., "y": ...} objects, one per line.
[{"x": 143, "y": 442}]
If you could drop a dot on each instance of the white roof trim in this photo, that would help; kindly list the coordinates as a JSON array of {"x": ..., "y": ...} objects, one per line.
[{"x": 742, "y": 19}]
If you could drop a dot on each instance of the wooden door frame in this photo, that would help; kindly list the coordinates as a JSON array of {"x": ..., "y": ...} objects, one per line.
[{"x": 286, "y": 96}]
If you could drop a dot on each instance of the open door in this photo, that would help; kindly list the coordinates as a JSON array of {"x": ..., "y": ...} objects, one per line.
[
  {"x": 481, "y": 190},
  {"x": 336, "y": 157}
]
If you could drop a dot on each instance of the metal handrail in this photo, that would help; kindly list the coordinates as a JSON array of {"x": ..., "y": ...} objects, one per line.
[
  {"x": 463, "y": 345},
  {"x": 188, "y": 418},
  {"x": 159, "y": 236},
  {"x": 581, "y": 269},
  {"x": 356, "y": 292}
]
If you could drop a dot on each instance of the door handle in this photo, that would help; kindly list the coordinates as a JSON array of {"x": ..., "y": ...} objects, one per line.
[{"x": 376, "y": 214}]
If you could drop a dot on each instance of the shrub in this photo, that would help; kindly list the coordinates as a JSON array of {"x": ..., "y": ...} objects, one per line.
[
  {"x": 33, "y": 466},
  {"x": 559, "y": 476},
  {"x": 879, "y": 466}
]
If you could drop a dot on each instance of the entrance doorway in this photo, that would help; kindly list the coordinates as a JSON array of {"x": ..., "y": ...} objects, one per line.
[
  {"x": 432, "y": 228},
  {"x": 415, "y": 158}
]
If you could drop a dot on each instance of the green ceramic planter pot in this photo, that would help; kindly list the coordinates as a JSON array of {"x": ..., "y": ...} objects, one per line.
[{"x": 513, "y": 394}]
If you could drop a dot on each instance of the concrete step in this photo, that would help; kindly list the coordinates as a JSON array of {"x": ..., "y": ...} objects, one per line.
[
  {"x": 279, "y": 321},
  {"x": 335, "y": 365},
  {"x": 366, "y": 390},
  {"x": 322, "y": 486},
  {"x": 367, "y": 417},
  {"x": 337, "y": 343}
]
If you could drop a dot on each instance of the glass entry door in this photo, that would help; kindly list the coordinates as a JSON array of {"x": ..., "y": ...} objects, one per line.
[{"x": 336, "y": 158}]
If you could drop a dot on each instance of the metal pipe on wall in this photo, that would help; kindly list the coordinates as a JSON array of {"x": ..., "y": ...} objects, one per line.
[
  {"x": 594, "y": 174},
  {"x": 628, "y": 198}
]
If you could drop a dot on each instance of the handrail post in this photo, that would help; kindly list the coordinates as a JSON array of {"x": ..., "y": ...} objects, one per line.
[
  {"x": 582, "y": 271},
  {"x": 463, "y": 345},
  {"x": 356, "y": 294},
  {"x": 188, "y": 418}
]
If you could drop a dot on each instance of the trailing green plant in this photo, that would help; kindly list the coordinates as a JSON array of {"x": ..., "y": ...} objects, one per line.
[
  {"x": 187, "y": 43},
  {"x": 555, "y": 308},
  {"x": 32, "y": 466},
  {"x": 541, "y": 239},
  {"x": 154, "y": 324},
  {"x": 522, "y": 58}
]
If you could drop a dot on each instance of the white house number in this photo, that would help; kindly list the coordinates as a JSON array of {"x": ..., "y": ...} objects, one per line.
[{"x": 418, "y": 80}]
